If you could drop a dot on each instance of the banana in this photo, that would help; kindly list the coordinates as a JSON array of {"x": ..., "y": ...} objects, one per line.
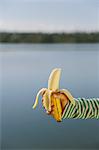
[
  {"x": 54, "y": 100},
  {"x": 54, "y": 78}
]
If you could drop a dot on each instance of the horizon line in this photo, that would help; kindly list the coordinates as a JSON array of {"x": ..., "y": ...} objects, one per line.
[{"x": 49, "y": 32}]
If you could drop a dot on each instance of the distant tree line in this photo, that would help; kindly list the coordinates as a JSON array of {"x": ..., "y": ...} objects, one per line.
[{"x": 49, "y": 37}]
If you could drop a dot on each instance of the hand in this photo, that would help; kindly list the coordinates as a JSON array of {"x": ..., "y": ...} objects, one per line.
[{"x": 58, "y": 103}]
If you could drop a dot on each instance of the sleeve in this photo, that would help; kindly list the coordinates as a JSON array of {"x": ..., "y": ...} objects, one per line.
[{"x": 83, "y": 109}]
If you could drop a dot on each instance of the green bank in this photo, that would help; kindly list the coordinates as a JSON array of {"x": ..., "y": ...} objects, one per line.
[{"x": 79, "y": 37}]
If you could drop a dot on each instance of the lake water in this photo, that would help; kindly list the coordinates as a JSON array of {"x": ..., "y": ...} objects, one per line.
[{"x": 24, "y": 69}]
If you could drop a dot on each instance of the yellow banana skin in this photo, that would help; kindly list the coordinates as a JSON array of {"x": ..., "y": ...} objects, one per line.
[
  {"x": 54, "y": 100},
  {"x": 58, "y": 109},
  {"x": 36, "y": 101}
]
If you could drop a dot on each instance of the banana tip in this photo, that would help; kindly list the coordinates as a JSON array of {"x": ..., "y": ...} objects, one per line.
[{"x": 59, "y": 69}]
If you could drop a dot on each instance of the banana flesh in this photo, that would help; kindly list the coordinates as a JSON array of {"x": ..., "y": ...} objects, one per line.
[{"x": 54, "y": 78}]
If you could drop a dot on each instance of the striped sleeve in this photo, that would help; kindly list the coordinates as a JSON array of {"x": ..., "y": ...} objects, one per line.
[{"x": 83, "y": 109}]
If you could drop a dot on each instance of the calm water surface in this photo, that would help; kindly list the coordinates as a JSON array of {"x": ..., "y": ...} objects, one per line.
[{"x": 24, "y": 69}]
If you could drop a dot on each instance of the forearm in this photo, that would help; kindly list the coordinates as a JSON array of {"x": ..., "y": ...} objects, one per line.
[{"x": 84, "y": 109}]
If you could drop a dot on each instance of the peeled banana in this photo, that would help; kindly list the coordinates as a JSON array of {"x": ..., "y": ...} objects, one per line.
[{"x": 54, "y": 100}]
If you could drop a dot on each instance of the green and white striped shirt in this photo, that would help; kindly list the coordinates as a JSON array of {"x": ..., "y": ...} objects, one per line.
[{"x": 84, "y": 109}]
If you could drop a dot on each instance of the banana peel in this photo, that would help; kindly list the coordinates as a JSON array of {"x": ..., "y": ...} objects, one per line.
[
  {"x": 54, "y": 99},
  {"x": 57, "y": 109}
]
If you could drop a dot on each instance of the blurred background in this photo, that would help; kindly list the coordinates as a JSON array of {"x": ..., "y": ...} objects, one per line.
[{"x": 35, "y": 37}]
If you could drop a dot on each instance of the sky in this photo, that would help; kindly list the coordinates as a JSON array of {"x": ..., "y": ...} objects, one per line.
[{"x": 49, "y": 15}]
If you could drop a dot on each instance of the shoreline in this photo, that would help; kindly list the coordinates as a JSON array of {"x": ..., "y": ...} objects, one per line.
[{"x": 49, "y": 38}]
